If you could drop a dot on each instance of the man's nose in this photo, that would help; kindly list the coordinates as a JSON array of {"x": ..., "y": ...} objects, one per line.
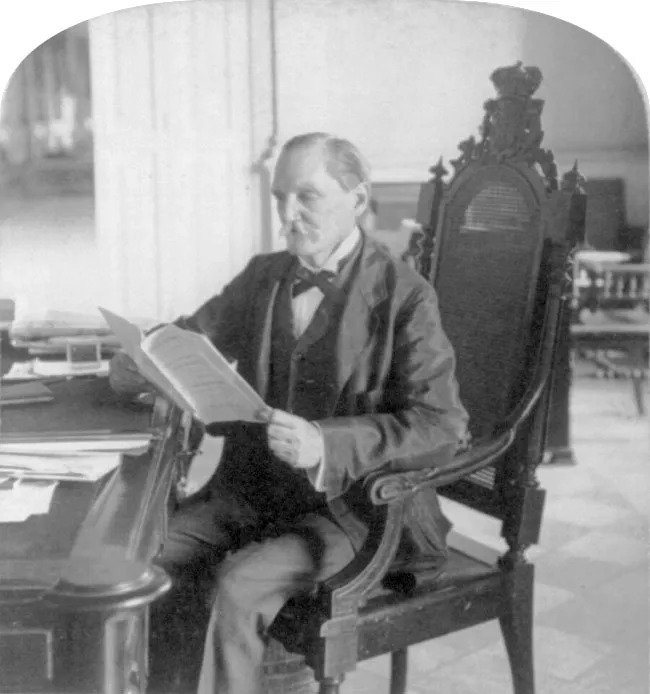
[{"x": 290, "y": 208}]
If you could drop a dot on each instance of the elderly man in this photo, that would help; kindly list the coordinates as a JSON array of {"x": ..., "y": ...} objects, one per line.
[{"x": 344, "y": 343}]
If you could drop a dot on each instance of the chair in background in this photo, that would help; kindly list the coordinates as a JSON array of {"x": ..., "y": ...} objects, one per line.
[
  {"x": 8, "y": 353},
  {"x": 611, "y": 319},
  {"x": 496, "y": 244}
]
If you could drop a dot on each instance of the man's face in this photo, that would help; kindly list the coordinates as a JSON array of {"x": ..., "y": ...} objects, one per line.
[{"x": 316, "y": 212}]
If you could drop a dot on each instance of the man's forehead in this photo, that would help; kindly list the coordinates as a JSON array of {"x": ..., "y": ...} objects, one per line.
[{"x": 301, "y": 164}]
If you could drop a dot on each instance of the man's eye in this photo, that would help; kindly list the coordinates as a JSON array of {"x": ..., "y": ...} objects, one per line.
[{"x": 307, "y": 197}]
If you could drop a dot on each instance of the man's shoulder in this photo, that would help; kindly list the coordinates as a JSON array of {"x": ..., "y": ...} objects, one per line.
[
  {"x": 399, "y": 273},
  {"x": 262, "y": 263}
]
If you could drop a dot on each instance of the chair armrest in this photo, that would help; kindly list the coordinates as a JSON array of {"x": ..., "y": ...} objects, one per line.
[
  {"x": 387, "y": 487},
  {"x": 391, "y": 491},
  {"x": 372, "y": 562}
]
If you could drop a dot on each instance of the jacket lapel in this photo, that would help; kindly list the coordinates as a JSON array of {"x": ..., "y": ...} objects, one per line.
[
  {"x": 266, "y": 294},
  {"x": 360, "y": 322}
]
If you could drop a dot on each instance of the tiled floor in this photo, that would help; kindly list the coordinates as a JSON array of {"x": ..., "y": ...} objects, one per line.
[{"x": 591, "y": 600}]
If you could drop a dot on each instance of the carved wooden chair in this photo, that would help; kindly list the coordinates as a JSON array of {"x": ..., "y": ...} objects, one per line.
[{"x": 496, "y": 245}]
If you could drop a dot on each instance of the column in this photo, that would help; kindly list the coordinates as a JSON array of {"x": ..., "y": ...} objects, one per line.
[{"x": 181, "y": 115}]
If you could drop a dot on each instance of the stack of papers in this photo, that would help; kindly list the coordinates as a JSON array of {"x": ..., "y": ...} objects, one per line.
[
  {"x": 80, "y": 459},
  {"x": 81, "y": 467},
  {"x": 59, "y": 369},
  {"x": 21, "y": 499}
]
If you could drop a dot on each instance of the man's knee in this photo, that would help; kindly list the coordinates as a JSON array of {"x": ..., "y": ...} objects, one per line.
[{"x": 274, "y": 567}]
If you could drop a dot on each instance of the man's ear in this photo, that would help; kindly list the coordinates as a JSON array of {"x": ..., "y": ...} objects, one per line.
[{"x": 362, "y": 198}]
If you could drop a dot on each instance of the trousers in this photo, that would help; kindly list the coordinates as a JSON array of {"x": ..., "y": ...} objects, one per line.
[{"x": 208, "y": 634}]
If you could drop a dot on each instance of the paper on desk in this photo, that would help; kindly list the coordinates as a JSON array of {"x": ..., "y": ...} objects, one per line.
[
  {"x": 133, "y": 443},
  {"x": 54, "y": 369},
  {"x": 87, "y": 467},
  {"x": 21, "y": 371},
  {"x": 23, "y": 499}
]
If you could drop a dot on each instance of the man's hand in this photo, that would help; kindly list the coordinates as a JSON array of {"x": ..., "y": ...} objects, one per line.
[
  {"x": 294, "y": 439},
  {"x": 124, "y": 377}
]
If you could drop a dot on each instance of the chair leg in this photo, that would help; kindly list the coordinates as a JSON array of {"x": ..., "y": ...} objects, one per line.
[
  {"x": 637, "y": 357},
  {"x": 517, "y": 630},
  {"x": 330, "y": 685},
  {"x": 398, "y": 665},
  {"x": 637, "y": 392}
]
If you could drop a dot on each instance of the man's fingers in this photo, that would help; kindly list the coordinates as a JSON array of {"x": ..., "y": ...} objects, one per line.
[
  {"x": 282, "y": 418},
  {"x": 282, "y": 438},
  {"x": 283, "y": 451},
  {"x": 280, "y": 430}
]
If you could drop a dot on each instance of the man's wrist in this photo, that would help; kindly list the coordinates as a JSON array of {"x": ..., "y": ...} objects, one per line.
[{"x": 319, "y": 445}]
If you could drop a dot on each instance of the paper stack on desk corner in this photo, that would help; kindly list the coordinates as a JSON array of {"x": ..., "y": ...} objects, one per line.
[
  {"x": 76, "y": 459},
  {"x": 78, "y": 467}
]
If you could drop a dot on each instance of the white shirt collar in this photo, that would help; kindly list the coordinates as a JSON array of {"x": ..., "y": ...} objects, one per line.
[{"x": 341, "y": 251}]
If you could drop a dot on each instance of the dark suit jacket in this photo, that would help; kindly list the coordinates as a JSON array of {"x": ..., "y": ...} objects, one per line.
[{"x": 388, "y": 394}]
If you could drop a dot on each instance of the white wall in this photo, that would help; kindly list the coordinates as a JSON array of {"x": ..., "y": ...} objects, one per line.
[
  {"x": 406, "y": 80},
  {"x": 594, "y": 108},
  {"x": 403, "y": 79}
]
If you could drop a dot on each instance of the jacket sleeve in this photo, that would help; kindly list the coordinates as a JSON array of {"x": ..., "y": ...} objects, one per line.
[
  {"x": 221, "y": 318},
  {"x": 419, "y": 419}
]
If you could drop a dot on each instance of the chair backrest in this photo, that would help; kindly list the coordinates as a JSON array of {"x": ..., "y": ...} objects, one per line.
[
  {"x": 485, "y": 271},
  {"x": 496, "y": 245}
]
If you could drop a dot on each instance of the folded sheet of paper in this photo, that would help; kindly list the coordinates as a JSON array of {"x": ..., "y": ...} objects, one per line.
[
  {"x": 61, "y": 368},
  {"x": 20, "y": 499},
  {"x": 78, "y": 467},
  {"x": 190, "y": 371},
  {"x": 133, "y": 443},
  {"x": 40, "y": 368},
  {"x": 21, "y": 371}
]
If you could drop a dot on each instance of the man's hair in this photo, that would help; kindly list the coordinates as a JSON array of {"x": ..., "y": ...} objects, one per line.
[{"x": 344, "y": 163}]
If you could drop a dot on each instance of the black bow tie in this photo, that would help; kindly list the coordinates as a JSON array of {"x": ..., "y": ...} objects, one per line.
[{"x": 306, "y": 279}]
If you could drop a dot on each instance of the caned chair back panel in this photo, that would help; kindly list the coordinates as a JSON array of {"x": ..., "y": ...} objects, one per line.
[
  {"x": 490, "y": 268},
  {"x": 489, "y": 245}
]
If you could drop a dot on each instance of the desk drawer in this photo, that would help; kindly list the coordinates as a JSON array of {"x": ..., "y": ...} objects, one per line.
[{"x": 26, "y": 658}]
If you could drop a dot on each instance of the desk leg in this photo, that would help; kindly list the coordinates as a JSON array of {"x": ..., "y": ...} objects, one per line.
[{"x": 558, "y": 437}]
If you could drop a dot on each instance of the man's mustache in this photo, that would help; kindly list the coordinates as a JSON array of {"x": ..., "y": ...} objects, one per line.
[
  {"x": 301, "y": 228},
  {"x": 293, "y": 226}
]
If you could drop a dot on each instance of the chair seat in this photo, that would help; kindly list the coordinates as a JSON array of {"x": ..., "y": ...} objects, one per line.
[{"x": 464, "y": 593}]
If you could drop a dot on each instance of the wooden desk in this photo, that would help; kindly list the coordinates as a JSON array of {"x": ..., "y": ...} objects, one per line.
[{"x": 75, "y": 584}]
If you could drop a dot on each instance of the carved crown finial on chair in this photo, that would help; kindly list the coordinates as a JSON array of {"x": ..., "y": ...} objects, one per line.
[
  {"x": 511, "y": 130},
  {"x": 515, "y": 81}
]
